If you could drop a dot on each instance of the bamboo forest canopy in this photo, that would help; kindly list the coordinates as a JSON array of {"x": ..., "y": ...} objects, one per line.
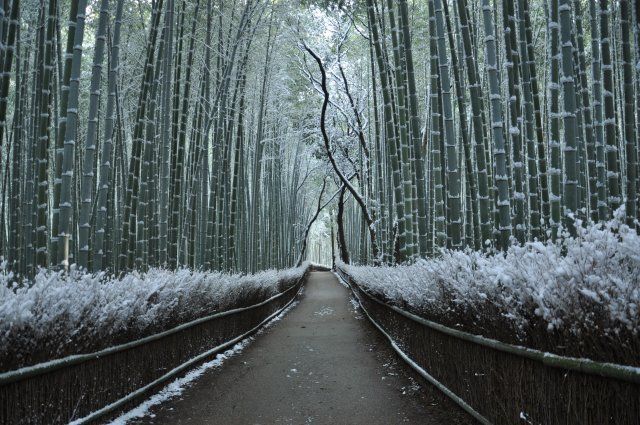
[{"x": 252, "y": 134}]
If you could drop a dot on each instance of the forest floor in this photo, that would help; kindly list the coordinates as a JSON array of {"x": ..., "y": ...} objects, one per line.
[{"x": 323, "y": 364}]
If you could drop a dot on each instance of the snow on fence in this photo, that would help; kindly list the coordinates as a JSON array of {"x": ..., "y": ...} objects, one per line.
[
  {"x": 56, "y": 314},
  {"x": 505, "y": 383},
  {"x": 577, "y": 297},
  {"x": 83, "y": 387}
]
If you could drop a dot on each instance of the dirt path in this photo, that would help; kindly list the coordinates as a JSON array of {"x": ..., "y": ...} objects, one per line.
[{"x": 322, "y": 364}]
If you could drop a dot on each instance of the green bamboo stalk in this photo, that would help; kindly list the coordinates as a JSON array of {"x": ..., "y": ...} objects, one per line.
[
  {"x": 497, "y": 126},
  {"x": 478, "y": 121},
  {"x": 630, "y": 136},
  {"x": 92, "y": 135},
  {"x": 570, "y": 195},
  {"x": 43, "y": 140},
  {"x": 555, "y": 170},
  {"x": 610, "y": 119},
  {"x": 414, "y": 122},
  {"x": 15, "y": 259},
  {"x": 390, "y": 135},
  {"x": 453, "y": 173},
  {"x": 596, "y": 78},
  {"x": 515, "y": 115},
  {"x": 589, "y": 142},
  {"x": 404, "y": 224},
  {"x": 105, "y": 183},
  {"x": 68, "y": 157},
  {"x": 529, "y": 126},
  {"x": 62, "y": 129}
]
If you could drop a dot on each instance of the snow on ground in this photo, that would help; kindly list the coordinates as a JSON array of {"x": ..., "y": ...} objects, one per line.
[
  {"x": 354, "y": 303},
  {"x": 178, "y": 386},
  {"x": 324, "y": 311},
  {"x": 58, "y": 314},
  {"x": 570, "y": 296}
]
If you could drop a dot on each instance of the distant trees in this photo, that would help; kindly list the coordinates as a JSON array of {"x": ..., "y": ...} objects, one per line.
[
  {"x": 130, "y": 138},
  {"x": 528, "y": 123},
  {"x": 185, "y": 133}
]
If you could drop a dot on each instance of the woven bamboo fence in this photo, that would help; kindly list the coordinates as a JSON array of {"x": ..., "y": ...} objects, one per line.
[
  {"x": 92, "y": 387},
  {"x": 499, "y": 383}
]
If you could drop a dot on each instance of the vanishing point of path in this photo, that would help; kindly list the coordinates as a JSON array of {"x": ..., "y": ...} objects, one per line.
[{"x": 324, "y": 363}]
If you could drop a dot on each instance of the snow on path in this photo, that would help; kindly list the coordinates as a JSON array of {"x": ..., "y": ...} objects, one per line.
[
  {"x": 178, "y": 386},
  {"x": 312, "y": 368}
]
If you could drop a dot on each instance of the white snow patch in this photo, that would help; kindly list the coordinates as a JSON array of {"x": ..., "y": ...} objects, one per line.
[
  {"x": 590, "y": 281},
  {"x": 178, "y": 386},
  {"x": 77, "y": 307},
  {"x": 325, "y": 311},
  {"x": 354, "y": 303}
]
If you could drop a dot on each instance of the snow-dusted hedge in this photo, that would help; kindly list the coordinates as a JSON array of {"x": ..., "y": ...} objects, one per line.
[
  {"x": 579, "y": 296},
  {"x": 58, "y": 314}
]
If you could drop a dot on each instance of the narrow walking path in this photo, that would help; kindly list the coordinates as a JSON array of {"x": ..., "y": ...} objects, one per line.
[{"x": 322, "y": 364}]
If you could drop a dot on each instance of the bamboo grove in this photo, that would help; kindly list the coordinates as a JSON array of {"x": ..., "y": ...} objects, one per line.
[
  {"x": 218, "y": 134},
  {"x": 142, "y": 134},
  {"x": 487, "y": 123}
]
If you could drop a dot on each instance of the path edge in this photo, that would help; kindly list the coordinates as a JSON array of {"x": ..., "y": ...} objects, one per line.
[{"x": 409, "y": 361}]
